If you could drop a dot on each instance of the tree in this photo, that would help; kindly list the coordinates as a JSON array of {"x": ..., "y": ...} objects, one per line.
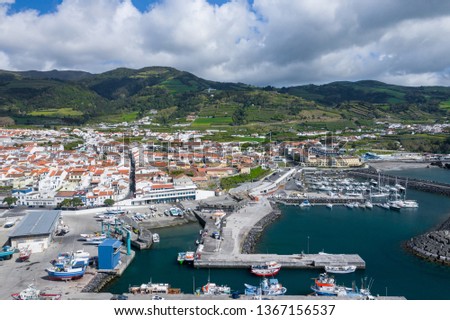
[
  {"x": 77, "y": 202},
  {"x": 65, "y": 203},
  {"x": 109, "y": 202},
  {"x": 10, "y": 201}
]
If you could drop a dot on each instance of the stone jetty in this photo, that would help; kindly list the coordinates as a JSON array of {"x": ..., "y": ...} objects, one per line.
[
  {"x": 433, "y": 245},
  {"x": 236, "y": 234}
]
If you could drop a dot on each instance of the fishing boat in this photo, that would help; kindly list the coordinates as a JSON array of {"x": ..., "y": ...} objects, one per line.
[
  {"x": 340, "y": 269},
  {"x": 32, "y": 293},
  {"x": 267, "y": 287},
  {"x": 24, "y": 254},
  {"x": 268, "y": 269},
  {"x": 150, "y": 288},
  {"x": 326, "y": 286},
  {"x": 214, "y": 289},
  {"x": 68, "y": 269},
  {"x": 189, "y": 257},
  {"x": 155, "y": 238}
]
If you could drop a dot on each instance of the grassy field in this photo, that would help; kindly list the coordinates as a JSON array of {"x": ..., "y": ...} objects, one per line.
[
  {"x": 115, "y": 118},
  {"x": 63, "y": 112},
  {"x": 445, "y": 105},
  {"x": 232, "y": 182},
  {"x": 208, "y": 122}
]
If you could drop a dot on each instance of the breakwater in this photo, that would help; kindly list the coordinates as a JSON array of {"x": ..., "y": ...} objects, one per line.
[
  {"x": 433, "y": 245},
  {"x": 319, "y": 200},
  {"x": 417, "y": 184}
]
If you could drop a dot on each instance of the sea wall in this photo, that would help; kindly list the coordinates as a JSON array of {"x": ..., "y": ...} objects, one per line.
[
  {"x": 98, "y": 282},
  {"x": 255, "y": 233},
  {"x": 417, "y": 184}
]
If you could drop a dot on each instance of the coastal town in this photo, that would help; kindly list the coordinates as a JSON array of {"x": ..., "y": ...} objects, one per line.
[{"x": 111, "y": 190}]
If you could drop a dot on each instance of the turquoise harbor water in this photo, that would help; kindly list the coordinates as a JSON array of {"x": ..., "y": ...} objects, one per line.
[{"x": 376, "y": 235}]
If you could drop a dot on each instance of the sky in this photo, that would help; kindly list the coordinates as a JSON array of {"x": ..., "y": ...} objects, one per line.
[{"x": 258, "y": 42}]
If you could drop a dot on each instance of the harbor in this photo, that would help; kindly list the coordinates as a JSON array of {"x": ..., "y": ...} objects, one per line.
[
  {"x": 376, "y": 235},
  {"x": 233, "y": 231},
  {"x": 309, "y": 240}
]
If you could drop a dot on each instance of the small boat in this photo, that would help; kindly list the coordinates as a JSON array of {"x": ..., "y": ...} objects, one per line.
[
  {"x": 266, "y": 270},
  {"x": 305, "y": 204},
  {"x": 155, "y": 238},
  {"x": 410, "y": 204},
  {"x": 340, "y": 269},
  {"x": 395, "y": 205},
  {"x": 150, "y": 288},
  {"x": 368, "y": 205},
  {"x": 213, "y": 289},
  {"x": 91, "y": 237},
  {"x": 329, "y": 205},
  {"x": 267, "y": 287},
  {"x": 189, "y": 257},
  {"x": 32, "y": 293},
  {"x": 181, "y": 257},
  {"x": 24, "y": 254}
]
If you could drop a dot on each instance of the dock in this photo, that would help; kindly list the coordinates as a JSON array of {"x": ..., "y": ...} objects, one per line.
[
  {"x": 243, "y": 226},
  {"x": 294, "y": 261}
]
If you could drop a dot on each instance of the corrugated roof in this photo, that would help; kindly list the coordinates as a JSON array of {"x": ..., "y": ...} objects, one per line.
[{"x": 36, "y": 223}]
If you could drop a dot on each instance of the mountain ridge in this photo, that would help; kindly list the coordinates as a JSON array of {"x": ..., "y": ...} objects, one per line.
[{"x": 76, "y": 97}]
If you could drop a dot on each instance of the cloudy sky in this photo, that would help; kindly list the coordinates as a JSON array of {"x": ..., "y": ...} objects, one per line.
[{"x": 260, "y": 42}]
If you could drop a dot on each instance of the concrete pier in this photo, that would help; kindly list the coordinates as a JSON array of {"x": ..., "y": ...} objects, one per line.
[
  {"x": 226, "y": 251},
  {"x": 294, "y": 261}
]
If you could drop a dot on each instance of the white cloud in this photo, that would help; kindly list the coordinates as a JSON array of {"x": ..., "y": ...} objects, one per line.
[{"x": 280, "y": 42}]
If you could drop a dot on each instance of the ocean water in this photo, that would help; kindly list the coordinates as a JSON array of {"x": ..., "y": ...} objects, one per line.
[
  {"x": 432, "y": 174},
  {"x": 376, "y": 235}
]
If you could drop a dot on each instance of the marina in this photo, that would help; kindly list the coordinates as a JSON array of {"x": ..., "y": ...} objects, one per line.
[{"x": 318, "y": 229}]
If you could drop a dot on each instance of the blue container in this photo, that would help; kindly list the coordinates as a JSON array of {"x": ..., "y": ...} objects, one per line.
[{"x": 109, "y": 254}]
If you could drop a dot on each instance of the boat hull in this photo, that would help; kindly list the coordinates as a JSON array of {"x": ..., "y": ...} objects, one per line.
[
  {"x": 265, "y": 273},
  {"x": 63, "y": 275}
]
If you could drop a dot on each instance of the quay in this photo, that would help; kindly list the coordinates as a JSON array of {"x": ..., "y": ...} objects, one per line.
[
  {"x": 240, "y": 229},
  {"x": 294, "y": 261}
]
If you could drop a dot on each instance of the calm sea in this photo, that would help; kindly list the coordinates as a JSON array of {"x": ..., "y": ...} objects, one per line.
[
  {"x": 376, "y": 235},
  {"x": 432, "y": 174}
]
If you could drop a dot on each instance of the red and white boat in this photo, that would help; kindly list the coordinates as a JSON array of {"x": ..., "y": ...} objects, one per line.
[
  {"x": 266, "y": 270},
  {"x": 31, "y": 293},
  {"x": 24, "y": 254}
]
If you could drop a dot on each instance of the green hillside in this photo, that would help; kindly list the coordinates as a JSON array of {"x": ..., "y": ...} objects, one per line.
[{"x": 77, "y": 97}]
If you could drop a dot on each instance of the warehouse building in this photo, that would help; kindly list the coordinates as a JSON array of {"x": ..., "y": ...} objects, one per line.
[{"x": 35, "y": 231}]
